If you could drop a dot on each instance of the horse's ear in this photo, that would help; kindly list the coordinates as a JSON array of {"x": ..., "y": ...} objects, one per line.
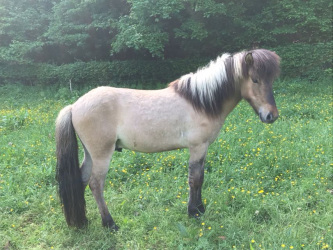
[{"x": 249, "y": 59}]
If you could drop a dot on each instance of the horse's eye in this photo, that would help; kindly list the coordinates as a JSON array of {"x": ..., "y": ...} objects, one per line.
[{"x": 255, "y": 80}]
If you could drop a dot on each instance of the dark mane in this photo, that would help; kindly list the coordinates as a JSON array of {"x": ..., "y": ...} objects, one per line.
[{"x": 209, "y": 86}]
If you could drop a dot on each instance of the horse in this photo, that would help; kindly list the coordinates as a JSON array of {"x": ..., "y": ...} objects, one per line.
[{"x": 188, "y": 113}]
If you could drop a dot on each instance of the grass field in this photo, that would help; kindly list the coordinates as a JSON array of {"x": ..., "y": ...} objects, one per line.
[{"x": 266, "y": 186}]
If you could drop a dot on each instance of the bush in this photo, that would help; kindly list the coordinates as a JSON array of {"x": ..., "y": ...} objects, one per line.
[
  {"x": 146, "y": 72},
  {"x": 298, "y": 60},
  {"x": 310, "y": 61}
]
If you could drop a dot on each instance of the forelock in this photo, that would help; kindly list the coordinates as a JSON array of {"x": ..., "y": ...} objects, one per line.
[{"x": 266, "y": 64}]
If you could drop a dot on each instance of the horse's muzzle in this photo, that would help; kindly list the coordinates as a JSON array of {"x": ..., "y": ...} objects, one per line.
[{"x": 268, "y": 116}]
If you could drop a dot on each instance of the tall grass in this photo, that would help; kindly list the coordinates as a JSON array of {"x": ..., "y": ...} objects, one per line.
[{"x": 266, "y": 186}]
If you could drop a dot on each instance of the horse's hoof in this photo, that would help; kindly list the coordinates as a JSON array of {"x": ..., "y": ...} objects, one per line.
[
  {"x": 114, "y": 228},
  {"x": 196, "y": 212},
  {"x": 111, "y": 225}
]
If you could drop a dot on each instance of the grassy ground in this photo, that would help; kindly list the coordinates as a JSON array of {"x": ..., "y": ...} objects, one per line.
[{"x": 266, "y": 186}]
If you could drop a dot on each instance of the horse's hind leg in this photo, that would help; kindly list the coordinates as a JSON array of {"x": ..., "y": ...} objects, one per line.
[
  {"x": 86, "y": 167},
  {"x": 195, "y": 180},
  {"x": 96, "y": 184}
]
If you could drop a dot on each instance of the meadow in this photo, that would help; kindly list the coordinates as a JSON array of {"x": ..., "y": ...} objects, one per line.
[{"x": 266, "y": 186}]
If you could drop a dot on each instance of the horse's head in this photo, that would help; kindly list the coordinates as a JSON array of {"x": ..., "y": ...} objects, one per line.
[{"x": 260, "y": 68}]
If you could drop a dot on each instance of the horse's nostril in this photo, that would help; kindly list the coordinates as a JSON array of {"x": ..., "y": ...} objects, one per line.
[{"x": 269, "y": 117}]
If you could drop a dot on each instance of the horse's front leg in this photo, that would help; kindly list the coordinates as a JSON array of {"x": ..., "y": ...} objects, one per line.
[{"x": 195, "y": 180}]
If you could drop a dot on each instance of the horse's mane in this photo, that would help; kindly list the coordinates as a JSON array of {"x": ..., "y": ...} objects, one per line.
[{"x": 207, "y": 88}]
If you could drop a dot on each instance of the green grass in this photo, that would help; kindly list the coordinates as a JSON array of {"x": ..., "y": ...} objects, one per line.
[{"x": 266, "y": 186}]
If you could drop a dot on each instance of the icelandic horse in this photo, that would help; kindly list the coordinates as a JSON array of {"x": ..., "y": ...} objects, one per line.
[{"x": 189, "y": 113}]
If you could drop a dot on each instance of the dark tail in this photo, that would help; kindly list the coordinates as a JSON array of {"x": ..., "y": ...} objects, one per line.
[{"x": 71, "y": 188}]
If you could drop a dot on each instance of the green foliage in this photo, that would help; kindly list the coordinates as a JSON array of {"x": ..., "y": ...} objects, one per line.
[
  {"x": 298, "y": 60},
  {"x": 303, "y": 60},
  {"x": 14, "y": 121},
  {"x": 70, "y": 30},
  {"x": 127, "y": 42},
  {"x": 149, "y": 72},
  {"x": 81, "y": 27},
  {"x": 191, "y": 29},
  {"x": 144, "y": 27},
  {"x": 299, "y": 21},
  {"x": 22, "y": 26},
  {"x": 266, "y": 186}
]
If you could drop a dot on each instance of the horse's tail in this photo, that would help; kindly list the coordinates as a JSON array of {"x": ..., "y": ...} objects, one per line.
[{"x": 71, "y": 188}]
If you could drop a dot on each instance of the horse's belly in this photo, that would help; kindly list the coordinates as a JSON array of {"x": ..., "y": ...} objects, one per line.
[
  {"x": 150, "y": 141},
  {"x": 148, "y": 148}
]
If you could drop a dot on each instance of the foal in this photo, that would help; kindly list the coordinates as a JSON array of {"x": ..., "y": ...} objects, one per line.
[{"x": 189, "y": 113}]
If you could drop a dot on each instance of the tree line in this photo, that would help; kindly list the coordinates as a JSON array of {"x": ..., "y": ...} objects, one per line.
[{"x": 67, "y": 31}]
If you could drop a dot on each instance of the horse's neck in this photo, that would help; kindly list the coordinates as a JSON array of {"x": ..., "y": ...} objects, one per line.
[{"x": 229, "y": 104}]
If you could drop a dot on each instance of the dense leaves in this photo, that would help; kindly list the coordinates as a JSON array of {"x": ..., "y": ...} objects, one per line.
[{"x": 67, "y": 31}]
